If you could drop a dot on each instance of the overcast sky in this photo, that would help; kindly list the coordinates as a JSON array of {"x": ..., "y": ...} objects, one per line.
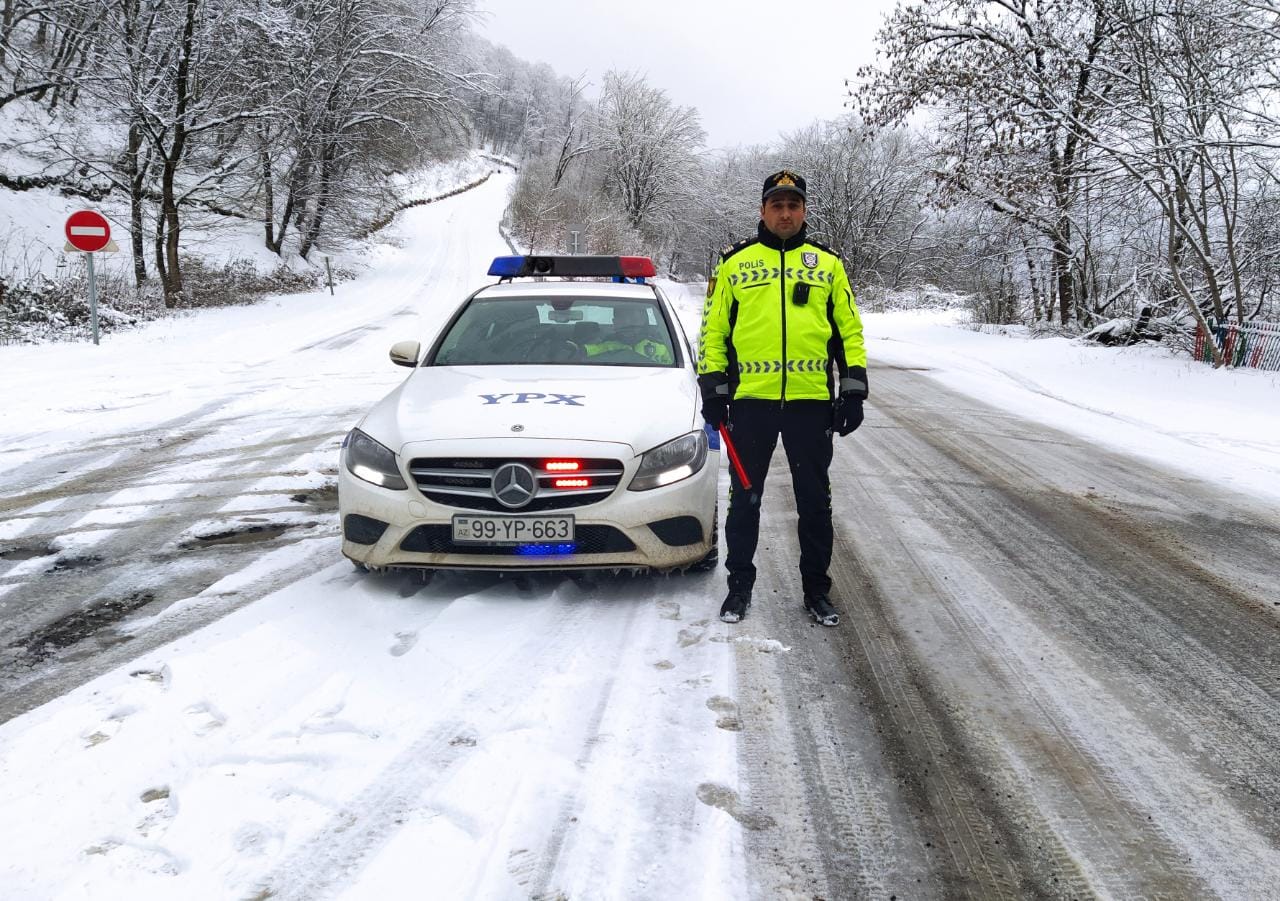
[{"x": 752, "y": 69}]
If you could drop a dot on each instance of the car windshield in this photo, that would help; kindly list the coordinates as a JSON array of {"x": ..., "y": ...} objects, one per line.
[{"x": 592, "y": 331}]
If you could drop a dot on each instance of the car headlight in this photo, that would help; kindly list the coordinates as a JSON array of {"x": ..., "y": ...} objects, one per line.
[
  {"x": 671, "y": 462},
  {"x": 368, "y": 460}
]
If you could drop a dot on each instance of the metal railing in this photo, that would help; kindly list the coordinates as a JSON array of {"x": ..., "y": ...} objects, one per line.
[{"x": 1254, "y": 345}]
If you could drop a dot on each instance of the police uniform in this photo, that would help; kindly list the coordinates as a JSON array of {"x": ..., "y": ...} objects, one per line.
[{"x": 781, "y": 340}]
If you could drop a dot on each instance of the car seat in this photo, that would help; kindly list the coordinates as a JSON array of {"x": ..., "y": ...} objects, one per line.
[
  {"x": 632, "y": 315},
  {"x": 631, "y": 325}
]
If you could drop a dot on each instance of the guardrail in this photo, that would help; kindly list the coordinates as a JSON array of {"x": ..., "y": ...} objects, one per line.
[{"x": 1254, "y": 345}]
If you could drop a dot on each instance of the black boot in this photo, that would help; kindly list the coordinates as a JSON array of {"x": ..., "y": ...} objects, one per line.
[
  {"x": 735, "y": 606},
  {"x": 819, "y": 607}
]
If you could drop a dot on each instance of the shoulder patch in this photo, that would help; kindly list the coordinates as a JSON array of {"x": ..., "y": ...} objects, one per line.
[
  {"x": 735, "y": 248},
  {"x": 821, "y": 246},
  {"x": 711, "y": 286}
]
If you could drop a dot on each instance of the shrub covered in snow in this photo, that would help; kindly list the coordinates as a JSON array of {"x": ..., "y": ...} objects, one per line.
[
  {"x": 239, "y": 282},
  {"x": 920, "y": 297},
  {"x": 40, "y": 308}
]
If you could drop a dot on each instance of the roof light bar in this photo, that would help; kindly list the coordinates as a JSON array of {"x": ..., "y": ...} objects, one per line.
[
  {"x": 572, "y": 267},
  {"x": 637, "y": 267},
  {"x": 506, "y": 267}
]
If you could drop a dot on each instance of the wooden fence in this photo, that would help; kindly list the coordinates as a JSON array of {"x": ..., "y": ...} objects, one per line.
[{"x": 1254, "y": 345}]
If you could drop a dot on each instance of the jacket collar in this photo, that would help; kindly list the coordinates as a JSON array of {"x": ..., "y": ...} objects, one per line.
[{"x": 769, "y": 239}]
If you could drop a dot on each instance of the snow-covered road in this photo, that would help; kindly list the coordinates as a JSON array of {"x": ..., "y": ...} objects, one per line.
[
  {"x": 535, "y": 736},
  {"x": 1056, "y": 677},
  {"x": 1058, "y": 674}
]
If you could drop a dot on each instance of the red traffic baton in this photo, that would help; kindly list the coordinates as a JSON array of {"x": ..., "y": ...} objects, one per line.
[{"x": 734, "y": 458}]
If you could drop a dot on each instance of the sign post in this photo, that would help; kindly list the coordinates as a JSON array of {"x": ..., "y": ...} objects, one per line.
[
  {"x": 93, "y": 297},
  {"x": 88, "y": 232}
]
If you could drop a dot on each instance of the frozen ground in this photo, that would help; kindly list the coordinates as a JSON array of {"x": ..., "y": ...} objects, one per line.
[{"x": 281, "y": 727}]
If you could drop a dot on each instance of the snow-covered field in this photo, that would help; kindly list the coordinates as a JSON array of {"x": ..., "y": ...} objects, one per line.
[{"x": 356, "y": 738}]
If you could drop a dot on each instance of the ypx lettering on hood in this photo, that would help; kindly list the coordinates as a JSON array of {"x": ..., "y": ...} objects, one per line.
[{"x": 569, "y": 400}]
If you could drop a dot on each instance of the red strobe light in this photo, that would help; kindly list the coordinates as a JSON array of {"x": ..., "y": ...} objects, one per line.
[
  {"x": 563, "y": 466},
  {"x": 637, "y": 267},
  {"x": 571, "y": 483}
]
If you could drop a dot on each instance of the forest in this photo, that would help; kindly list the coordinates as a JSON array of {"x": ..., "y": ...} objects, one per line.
[{"x": 1063, "y": 164}]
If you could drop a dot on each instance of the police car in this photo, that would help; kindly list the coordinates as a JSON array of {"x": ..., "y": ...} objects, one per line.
[{"x": 554, "y": 423}]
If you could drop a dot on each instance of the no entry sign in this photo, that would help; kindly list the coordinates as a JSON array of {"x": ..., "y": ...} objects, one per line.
[{"x": 88, "y": 231}]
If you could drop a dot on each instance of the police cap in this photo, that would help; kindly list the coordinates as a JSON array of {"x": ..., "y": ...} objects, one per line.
[{"x": 786, "y": 180}]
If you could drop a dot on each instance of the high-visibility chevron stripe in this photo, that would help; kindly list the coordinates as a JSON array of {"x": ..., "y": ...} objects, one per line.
[
  {"x": 759, "y": 367},
  {"x": 815, "y": 276},
  {"x": 806, "y": 365}
]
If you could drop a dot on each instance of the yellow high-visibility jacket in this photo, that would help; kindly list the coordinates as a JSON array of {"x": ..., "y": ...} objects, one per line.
[{"x": 767, "y": 344}]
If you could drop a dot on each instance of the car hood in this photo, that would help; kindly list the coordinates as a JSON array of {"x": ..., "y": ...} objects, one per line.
[{"x": 640, "y": 407}]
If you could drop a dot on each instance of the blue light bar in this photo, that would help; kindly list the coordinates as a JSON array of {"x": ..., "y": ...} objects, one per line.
[
  {"x": 545, "y": 550},
  {"x": 506, "y": 267}
]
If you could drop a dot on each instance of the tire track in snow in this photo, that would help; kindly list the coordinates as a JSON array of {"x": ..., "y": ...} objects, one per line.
[
  {"x": 331, "y": 858},
  {"x": 834, "y": 837},
  {"x": 980, "y": 564},
  {"x": 901, "y": 814},
  {"x": 1197, "y": 650},
  {"x": 52, "y": 498},
  {"x": 140, "y": 556},
  {"x": 938, "y": 694}
]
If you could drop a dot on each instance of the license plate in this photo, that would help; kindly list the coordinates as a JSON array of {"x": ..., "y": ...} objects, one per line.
[{"x": 512, "y": 529}]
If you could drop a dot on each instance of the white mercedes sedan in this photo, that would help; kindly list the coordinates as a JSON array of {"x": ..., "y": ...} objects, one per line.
[{"x": 553, "y": 424}]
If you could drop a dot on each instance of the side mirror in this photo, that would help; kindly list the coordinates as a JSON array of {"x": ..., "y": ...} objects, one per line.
[{"x": 405, "y": 353}]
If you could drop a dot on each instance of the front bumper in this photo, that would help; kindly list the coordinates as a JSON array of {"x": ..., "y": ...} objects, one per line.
[{"x": 662, "y": 529}]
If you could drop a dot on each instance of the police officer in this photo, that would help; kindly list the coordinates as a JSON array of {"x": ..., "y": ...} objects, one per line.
[{"x": 782, "y": 355}]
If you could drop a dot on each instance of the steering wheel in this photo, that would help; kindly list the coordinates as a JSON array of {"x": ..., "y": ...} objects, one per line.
[{"x": 557, "y": 349}]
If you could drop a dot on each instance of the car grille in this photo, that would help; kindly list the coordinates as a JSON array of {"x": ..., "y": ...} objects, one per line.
[
  {"x": 590, "y": 539},
  {"x": 467, "y": 482}
]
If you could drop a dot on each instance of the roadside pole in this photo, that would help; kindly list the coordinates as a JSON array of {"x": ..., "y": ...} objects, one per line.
[{"x": 93, "y": 297}]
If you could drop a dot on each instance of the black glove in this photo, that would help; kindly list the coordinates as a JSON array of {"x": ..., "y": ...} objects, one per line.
[
  {"x": 848, "y": 411},
  {"x": 716, "y": 412},
  {"x": 848, "y": 414},
  {"x": 715, "y": 398}
]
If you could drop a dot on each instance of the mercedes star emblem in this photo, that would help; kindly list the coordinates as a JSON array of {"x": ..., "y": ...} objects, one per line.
[
  {"x": 514, "y": 485},
  {"x": 517, "y": 428}
]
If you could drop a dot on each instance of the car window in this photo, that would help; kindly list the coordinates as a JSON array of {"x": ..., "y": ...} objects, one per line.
[{"x": 550, "y": 330}]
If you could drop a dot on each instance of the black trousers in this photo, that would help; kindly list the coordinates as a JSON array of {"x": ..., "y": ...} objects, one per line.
[{"x": 805, "y": 427}]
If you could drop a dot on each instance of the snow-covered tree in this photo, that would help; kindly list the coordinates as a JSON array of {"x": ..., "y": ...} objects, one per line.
[
  {"x": 650, "y": 148},
  {"x": 1006, "y": 84}
]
